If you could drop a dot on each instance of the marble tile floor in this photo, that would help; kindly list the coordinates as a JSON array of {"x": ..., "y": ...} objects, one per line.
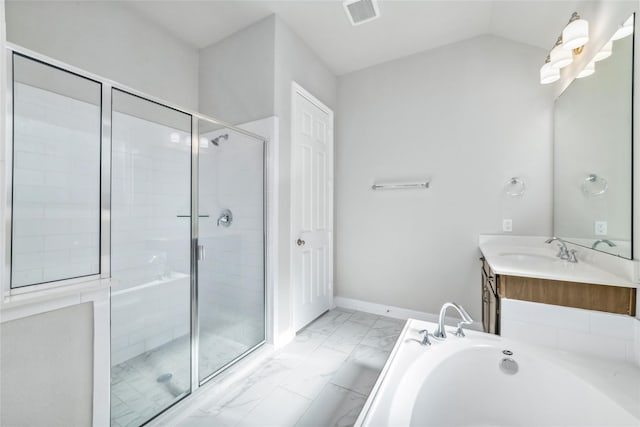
[{"x": 322, "y": 378}]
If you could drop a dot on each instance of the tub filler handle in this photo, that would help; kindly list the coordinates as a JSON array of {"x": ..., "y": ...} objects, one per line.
[{"x": 425, "y": 340}]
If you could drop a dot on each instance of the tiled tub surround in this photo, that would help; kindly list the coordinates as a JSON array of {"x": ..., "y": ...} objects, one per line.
[
  {"x": 322, "y": 378},
  {"x": 605, "y": 335},
  {"x": 415, "y": 387}
]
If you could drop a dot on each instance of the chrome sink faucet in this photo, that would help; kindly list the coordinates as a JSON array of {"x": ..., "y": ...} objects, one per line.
[
  {"x": 564, "y": 253},
  {"x": 440, "y": 333}
]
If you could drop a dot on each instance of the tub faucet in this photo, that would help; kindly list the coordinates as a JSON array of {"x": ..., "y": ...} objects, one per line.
[
  {"x": 564, "y": 253},
  {"x": 440, "y": 333}
]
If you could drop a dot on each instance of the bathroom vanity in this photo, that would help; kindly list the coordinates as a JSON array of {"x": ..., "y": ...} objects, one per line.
[{"x": 526, "y": 269}]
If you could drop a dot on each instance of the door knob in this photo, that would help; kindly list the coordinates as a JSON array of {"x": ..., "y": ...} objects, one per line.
[{"x": 300, "y": 242}]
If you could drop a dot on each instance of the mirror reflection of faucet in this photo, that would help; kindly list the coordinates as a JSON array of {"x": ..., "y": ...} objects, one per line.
[
  {"x": 608, "y": 242},
  {"x": 225, "y": 219}
]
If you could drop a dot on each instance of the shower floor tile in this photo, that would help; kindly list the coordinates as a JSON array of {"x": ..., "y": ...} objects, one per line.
[{"x": 137, "y": 395}]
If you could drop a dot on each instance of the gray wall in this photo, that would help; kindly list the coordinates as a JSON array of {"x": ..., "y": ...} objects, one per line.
[
  {"x": 111, "y": 40},
  {"x": 469, "y": 116},
  {"x": 294, "y": 61},
  {"x": 247, "y": 77},
  {"x": 46, "y": 369},
  {"x": 236, "y": 75}
]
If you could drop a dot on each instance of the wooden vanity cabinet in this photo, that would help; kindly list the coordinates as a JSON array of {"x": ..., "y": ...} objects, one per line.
[
  {"x": 490, "y": 300},
  {"x": 610, "y": 299}
]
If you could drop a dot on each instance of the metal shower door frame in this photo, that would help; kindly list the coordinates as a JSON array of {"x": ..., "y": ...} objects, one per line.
[{"x": 104, "y": 277}]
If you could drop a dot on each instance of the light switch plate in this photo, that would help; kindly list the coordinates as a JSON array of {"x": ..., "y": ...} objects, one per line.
[
  {"x": 600, "y": 228},
  {"x": 507, "y": 225}
]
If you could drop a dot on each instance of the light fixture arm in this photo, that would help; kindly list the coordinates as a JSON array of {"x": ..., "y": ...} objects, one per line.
[{"x": 574, "y": 17}]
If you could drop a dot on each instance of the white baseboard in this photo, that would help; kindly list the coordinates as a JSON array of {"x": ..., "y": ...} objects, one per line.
[
  {"x": 383, "y": 310},
  {"x": 395, "y": 312}
]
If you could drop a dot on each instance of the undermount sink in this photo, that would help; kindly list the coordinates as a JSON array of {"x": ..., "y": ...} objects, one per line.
[
  {"x": 521, "y": 256},
  {"x": 529, "y": 256}
]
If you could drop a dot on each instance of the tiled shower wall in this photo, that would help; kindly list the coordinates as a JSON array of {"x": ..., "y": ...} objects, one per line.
[
  {"x": 150, "y": 240},
  {"x": 56, "y": 191},
  {"x": 231, "y": 277},
  {"x": 150, "y": 301},
  {"x": 150, "y": 189}
]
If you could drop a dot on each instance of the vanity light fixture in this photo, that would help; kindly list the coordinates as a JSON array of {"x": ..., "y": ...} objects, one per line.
[
  {"x": 605, "y": 52},
  {"x": 549, "y": 74},
  {"x": 559, "y": 56},
  {"x": 576, "y": 33},
  {"x": 589, "y": 69},
  {"x": 625, "y": 29},
  {"x": 570, "y": 43}
]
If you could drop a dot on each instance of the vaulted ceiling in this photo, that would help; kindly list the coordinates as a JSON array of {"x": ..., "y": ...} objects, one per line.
[{"x": 404, "y": 27}]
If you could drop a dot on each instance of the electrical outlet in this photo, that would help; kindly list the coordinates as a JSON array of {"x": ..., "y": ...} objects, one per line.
[
  {"x": 507, "y": 225},
  {"x": 600, "y": 228}
]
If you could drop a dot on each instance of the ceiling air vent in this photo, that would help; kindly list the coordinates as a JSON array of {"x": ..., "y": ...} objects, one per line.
[{"x": 361, "y": 11}]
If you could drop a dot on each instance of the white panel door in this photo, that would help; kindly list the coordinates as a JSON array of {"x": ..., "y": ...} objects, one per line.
[{"x": 311, "y": 207}]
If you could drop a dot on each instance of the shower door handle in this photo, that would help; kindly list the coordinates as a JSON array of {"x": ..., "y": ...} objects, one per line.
[{"x": 201, "y": 252}]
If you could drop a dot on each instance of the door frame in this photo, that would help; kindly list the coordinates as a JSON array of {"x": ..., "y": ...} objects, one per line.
[{"x": 297, "y": 89}]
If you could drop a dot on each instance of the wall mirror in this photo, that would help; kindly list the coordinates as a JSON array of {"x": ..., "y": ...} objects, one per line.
[{"x": 593, "y": 166}]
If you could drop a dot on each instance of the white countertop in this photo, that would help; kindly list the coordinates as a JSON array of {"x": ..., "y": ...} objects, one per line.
[{"x": 529, "y": 256}]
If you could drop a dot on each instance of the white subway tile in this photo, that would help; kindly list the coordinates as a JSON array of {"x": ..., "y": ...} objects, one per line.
[{"x": 611, "y": 325}]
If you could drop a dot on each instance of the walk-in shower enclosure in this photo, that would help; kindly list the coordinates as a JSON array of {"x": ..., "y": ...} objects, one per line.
[{"x": 107, "y": 183}]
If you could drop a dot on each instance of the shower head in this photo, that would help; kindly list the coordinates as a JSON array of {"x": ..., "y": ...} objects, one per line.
[{"x": 216, "y": 141}]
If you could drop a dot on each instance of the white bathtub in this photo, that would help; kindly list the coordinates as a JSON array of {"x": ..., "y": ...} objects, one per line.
[{"x": 459, "y": 382}]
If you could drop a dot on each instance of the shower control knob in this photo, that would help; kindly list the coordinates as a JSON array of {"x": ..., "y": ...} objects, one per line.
[{"x": 300, "y": 242}]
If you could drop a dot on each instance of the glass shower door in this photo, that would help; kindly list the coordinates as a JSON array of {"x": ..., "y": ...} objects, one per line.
[
  {"x": 231, "y": 238},
  {"x": 150, "y": 258}
]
